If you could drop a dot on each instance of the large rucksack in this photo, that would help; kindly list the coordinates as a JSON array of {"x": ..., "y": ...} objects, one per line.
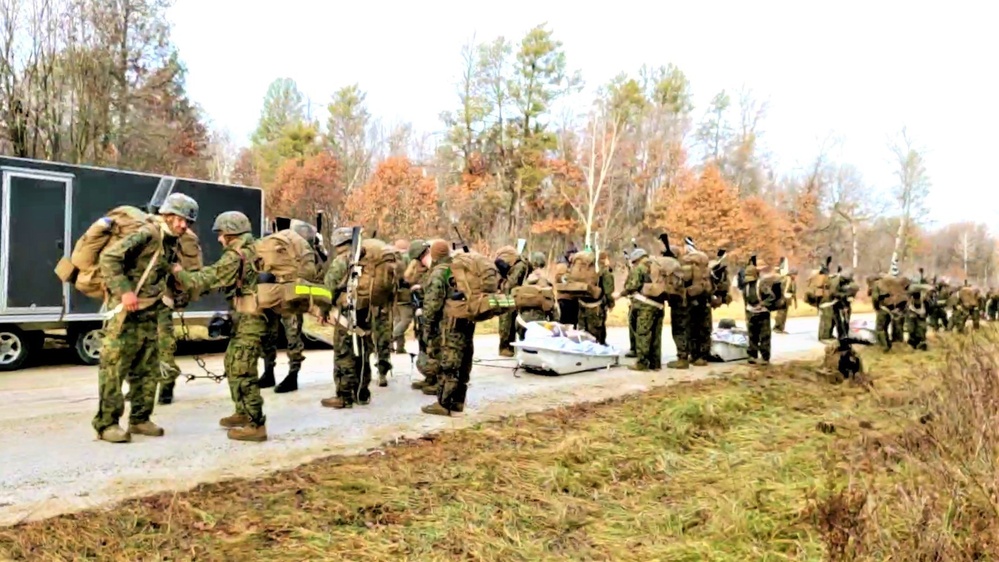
[
  {"x": 817, "y": 288},
  {"x": 581, "y": 278},
  {"x": 535, "y": 293},
  {"x": 287, "y": 262},
  {"x": 893, "y": 290},
  {"x": 477, "y": 280},
  {"x": 696, "y": 263},
  {"x": 667, "y": 278},
  {"x": 83, "y": 267},
  {"x": 968, "y": 296},
  {"x": 189, "y": 253},
  {"x": 771, "y": 283},
  {"x": 378, "y": 283}
]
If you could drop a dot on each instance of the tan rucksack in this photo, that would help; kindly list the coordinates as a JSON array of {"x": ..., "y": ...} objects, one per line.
[
  {"x": 894, "y": 290},
  {"x": 83, "y": 267},
  {"x": 696, "y": 263},
  {"x": 189, "y": 253},
  {"x": 377, "y": 284},
  {"x": 290, "y": 259},
  {"x": 536, "y": 292},
  {"x": 475, "y": 276},
  {"x": 667, "y": 278},
  {"x": 581, "y": 278},
  {"x": 968, "y": 297},
  {"x": 817, "y": 288}
]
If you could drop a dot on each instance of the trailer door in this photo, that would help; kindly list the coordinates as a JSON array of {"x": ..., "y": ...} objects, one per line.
[{"x": 34, "y": 234}]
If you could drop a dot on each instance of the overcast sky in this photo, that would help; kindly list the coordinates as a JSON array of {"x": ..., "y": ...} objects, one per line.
[{"x": 858, "y": 71}]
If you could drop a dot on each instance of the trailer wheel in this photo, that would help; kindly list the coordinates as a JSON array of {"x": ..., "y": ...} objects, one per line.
[
  {"x": 87, "y": 344},
  {"x": 16, "y": 346}
]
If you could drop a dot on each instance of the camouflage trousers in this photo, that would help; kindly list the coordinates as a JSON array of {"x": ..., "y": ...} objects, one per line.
[
  {"x": 292, "y": 325},
  {"x": 826, "y": 323},
  {"x": 381, "y": 333},
  {"x": 532, "y": 315},
  {"x": 758, "y": 326},
  {"x": 992, "y": 310},
  {"x": 241, "y": 358},
  {"x": 129, "y": 352},
  {"x": 403, "y": 318},
  {"x": 648, "y": 335},
  {"x": 915, "y": 324},
  {"x": 353, "y": 370},
  {"x": 429, "y": 360},
  {"x": 678, "y": 328},
  {"x": 593, "y": 320},
  {"x": 937, "y": 317},
  {"x": 568, "y": 312},
  {"x": 961, "y": 316},
  {"x": 166, "y": 345},
  {"x": 898, "y": 327},
  {"x": 780, "y": 320},
  {"x": 632, "y": 321},
  {"x": 698, "y": 329},
  {"x": 883, "y": 324},
  {"x": 456, "y": 353},
  {"x": 507, "y": 330}
]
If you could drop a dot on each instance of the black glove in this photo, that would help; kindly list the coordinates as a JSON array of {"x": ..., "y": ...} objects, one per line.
[{"x": 502, "y": 266}]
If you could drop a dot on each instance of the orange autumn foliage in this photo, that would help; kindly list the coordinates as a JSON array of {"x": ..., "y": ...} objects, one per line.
[
  {"x": 303, "y": 186},
  {"x": 397, "y": 202},
  {"x": 766, "y": 239}
]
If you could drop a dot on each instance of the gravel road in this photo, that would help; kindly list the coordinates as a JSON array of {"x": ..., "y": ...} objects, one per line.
[{"x": 52, "y": 462}]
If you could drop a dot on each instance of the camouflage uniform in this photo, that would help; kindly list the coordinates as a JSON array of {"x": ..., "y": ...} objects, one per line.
[
  {"x": 992, "y": 305},
  {"x": 130, "y": 348},
  {"x": 353, "y": 370},
  {"x": 633, "y": 325},
  {"x": 537, "y": 277},
  {"x": 404, "y": 311},
  {"x": 937, "y": 307},
  {"x": 166, "y": 343},
  {"x": 455, "y": 340},
  {"x": 427, "y": 362},
  {"x": 790, "y": 289},
  {"x": 508, "y": 321},
  {"x": 568, "y": 308},
  {"x": 649, "y": 316},
  {"x": 758, "y": 304},
  {"x": 885, "y": 318},
  {"x": 916, "y": 319},
  {"x": 381, "y": 327},
  {"x": 593, "y": 313},
  {"x": 235, "y": 275},
  {"x": 963, "y": 310}
]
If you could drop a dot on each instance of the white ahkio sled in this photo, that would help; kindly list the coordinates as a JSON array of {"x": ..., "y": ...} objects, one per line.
[{"x": 550, "y": 348}]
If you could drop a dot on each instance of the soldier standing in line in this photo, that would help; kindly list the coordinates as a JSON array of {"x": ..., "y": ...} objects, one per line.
[
  {"x": 404, "y": 298},
  {"x": 352, "y": 369},
  {"x": 514, "y": 270},
  {"x": 456, "y": 337},
  {"x": 135, "y": 270},
  {"x": 916, "y": 315},
  {"x": 429, "y": 361},
  {"x": 759, "y": 300},
  {"x": 537, "y": 278},
  {"x": 790, "y": 289},
  {"x": 235, "y": 274},
  {"x": 698, "y": 319},
  {"x": 938, "y": 305},
  {"x": 650, "y": 313},
  {"x": 965, "y": 305},
  {"x": 568, "y": 307},
  {"x": 593, "y": 312}
]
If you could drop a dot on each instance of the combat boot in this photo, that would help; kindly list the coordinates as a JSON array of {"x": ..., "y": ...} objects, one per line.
[
  {"x": 166, "y": 394},
  {"x": 678, "y": 364},
  {"x": 638, "y": 367},
  {"x": 235, "y": 420},
  {"x": 436, "y": 409},
  {"x": 290, "y": 382},
  {"x": 251, "y": 432},
  {"x": 418, "y": 385},
  {"x": 631, "y": 354},
  {"x": 400, "y": 347},
  {"x": 336, "y": 402},
  {"x": 147, "y": 428},
  {"x": 506, "y": 353},
  {"x": 431, "y": 390},
  {"x": 267, "y": 379},
  {"x": 700, "y": 362},
  {"x": 383, "y": 379},
  {"x": 115, "y": 434},
  {"x": 752, "y": 360}
]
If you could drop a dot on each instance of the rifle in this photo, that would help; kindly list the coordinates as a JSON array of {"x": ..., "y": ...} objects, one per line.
[
  {"x": 667, "y": 252},
  {"x": 353, "y": 276},
  {"x": 461, "y": 238},
  {"x": 320, "y": 243}
]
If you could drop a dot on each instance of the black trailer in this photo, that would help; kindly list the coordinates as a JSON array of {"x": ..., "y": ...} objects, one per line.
[{"x": 44, "y": 208}]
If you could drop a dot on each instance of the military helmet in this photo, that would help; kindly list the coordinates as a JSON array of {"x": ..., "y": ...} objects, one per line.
[
  {"x": 180, "y": 205},
  {"x": 304, "y": 229},
  {"x": 637, "y": 254},
  {"x": 341, "y": 236},
  {"x": 232, "y": 222},
  {"x": 538, "y": 259},
  {"x": 417, "y": 248},
  {"x": 846, "y": 274}
]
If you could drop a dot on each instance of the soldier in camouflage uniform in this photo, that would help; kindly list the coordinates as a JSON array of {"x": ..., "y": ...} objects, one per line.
[
  {"x": 593, "y": 312},
  {"x": 789, "y": 285},
  {"x": 352, "y": 370},
  {"x": 650, "y": 314},
  {"x": 235, "y": 274},
  {"x": 884, "y": 311},
  {"x": 965, "y": 306},
  {"x": 916, "y": 314},
  {"x": 758, "y": 301},
  {"x": 135, "y": 270},
  {"x": 698, "y": 322},
  {"x": 537, "y": 277},
  {"x": 416, "y": 276},
  {"x": 166, "y": 340},
  {"x": 455, "y": 337},
  {"x": 513, "y": 278},
  {"x": 291, "y": 324},
  {"x": 937, "y": 306},
  {"x": 381, "y": 332},
  {"x": 404, "y": 301},
  {"x": 992, "y": 305}
]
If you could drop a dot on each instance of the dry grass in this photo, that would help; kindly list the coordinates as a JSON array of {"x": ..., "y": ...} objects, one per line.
[{"x": 765, "y": 465}]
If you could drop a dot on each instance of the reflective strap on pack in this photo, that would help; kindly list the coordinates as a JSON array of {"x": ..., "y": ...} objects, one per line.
[
  {"x": 501, "y": 301},
  {"x": 589, "y": 304},
  {"x": 648, "y": 301},
  {"x": 309, "y": 290}
]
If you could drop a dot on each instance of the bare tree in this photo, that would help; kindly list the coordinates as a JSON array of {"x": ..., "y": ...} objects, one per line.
[
  {"x": 912, "y": 188},
  {"x": 853, "y": 203}
]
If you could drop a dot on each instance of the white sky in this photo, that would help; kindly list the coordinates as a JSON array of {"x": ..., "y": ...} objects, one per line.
[{"x": 856, "y": 70}]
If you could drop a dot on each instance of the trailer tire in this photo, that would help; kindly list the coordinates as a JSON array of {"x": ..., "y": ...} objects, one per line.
[
  {"x": 86, "y": 342},
  {"x": 16, "y": 346}
]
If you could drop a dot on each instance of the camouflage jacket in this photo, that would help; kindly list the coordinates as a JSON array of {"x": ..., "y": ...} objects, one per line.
[
  {"x": 516, "y": 276},
  {"x": 336, "y": 274},
  {"x": 753, "y": 296},
  {"x": 124, "y": 262},
  {"x": 436, "y": 291},
  {"x": 234, "y": 273},
  {"x": 638, "y": 276},
  {"x": 607, "y": 287}
]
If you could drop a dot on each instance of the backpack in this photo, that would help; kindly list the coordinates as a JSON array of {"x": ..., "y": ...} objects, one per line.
[
  {"x": 379, "y": 266},
  {"x": 536, "y": 292},
  {"x": 475, "y": 276},
  {"x": 968, "y": 297},
  {"x": 290, "y": 259},
  {"x": 817, "y": 288},
  {"x": 667, "y": 278},
  {"x": 774, "y": 284},
  {"x": 893, "y": 290},
  {"x": 696, "y": 263},
  {"x": 581, "y": 278},
  {"x": 83, "y": 268},
  {"x": 189, "y": 253}
]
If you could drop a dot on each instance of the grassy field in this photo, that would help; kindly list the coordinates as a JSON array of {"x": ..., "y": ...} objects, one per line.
[{"x": 778, "y": 464}]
